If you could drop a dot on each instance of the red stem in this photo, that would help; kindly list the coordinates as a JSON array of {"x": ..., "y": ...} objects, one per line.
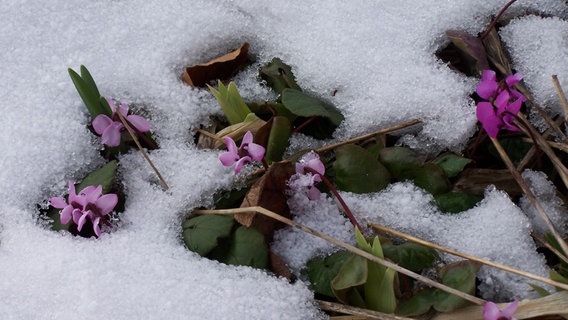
[
  {"x": 336, "y": 194},
  {"x": 488, "y": 30}
]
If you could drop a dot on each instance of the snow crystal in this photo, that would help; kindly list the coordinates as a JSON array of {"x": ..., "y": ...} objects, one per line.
[
  {"x": 296, "y": 247},
  {"x": 379, "y": 56},
  {"x": 494, "y": 230},
  {"x": 539, "y": 49},
  {"x": 547, "y": 196}
]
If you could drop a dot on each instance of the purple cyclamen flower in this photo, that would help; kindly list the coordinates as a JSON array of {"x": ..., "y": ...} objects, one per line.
[
  {"x": 308, "y": 173},
  {"x": 89, "y": 203},
  {"x": 502, "y": 105},
  {"x": 247, "y": 152},
  {"x": 110, "y": 129},
  {"x": 492, "y": 312}
]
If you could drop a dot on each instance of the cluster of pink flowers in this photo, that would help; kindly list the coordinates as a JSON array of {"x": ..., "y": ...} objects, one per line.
[
  {"x": 309, "y": 172},
  {"x": 502, "y": 103},
  {"x": 247, "y": 152},
  {"x": 88, "y": 203},
  {"x": 110, "y": 128}
]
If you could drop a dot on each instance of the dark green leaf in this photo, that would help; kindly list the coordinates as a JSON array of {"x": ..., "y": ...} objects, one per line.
[
  {"x": 430, "y": 178},
  {"x": 451, "y": 164},
  {"x": 399, "y": 160},
  {"x": 304, "y": 105},
  {"x": 353, "y": 273},
  {"x": 357, "y": 170},
  {"x": 103, "y": 176},
  {"x": 90, "y": 97},
  {"x": 89, "y": 81},
  {"x": 321, "y": 271},
  {"x": 459, "y": 276},
  {"x": 278, "y": 140},
  {"x": 247, "y": 248},
  {"x": 472, "y": 48},
  {"x": 540, "y": 290},
  {"x": 514, "y": 147},
  {"x": 201, "y": 233},
  {"x": 455, "y": 202},
  {"x": 278, "y": 76},
  {"x": 411, "y": 256},
  {"x": 418, "y": 304}
]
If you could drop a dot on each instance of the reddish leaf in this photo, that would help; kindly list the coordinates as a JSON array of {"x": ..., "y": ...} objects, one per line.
[
  {"x": 268, "y": 192},
  {"x": 471, "y": 46},
  {"x": 220, "y": 68}
]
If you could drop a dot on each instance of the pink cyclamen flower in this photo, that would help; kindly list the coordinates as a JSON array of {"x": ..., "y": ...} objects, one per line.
[
  {"x": 492, "y": 312},
  {"x": 110, "y": 128},
  {"x": 247, "y": 152},
  {"x": 308, "y": 173},
  {"x": 502, "y": 102},
  {"x": 88, "y": 203}
]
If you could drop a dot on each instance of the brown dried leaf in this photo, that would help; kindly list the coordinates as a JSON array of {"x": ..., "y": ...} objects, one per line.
[
  {"x": 268, "y": 192},
  {"x": 220, "y": 68},
  {"x": 278, "y": 266},
  {"x": 496, "y": 52},
  {"x": 471, "y": 46},
  {"x": 475, "y": 181}
]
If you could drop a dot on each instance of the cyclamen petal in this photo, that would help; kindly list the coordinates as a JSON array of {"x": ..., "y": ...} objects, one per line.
[
  {"x": 100, "y": 123},
  {"x": 58, "y": 202},
  {"x": 96, "y": 226},
  {"x": 66, "y": 214},
  {"x": 92, "y": 193},
  {"x": 82, "y": 220},
  {"x": 228, "y": 158},
  {"x": 255, "y": 151},
  {"x": 314, "y": 193},
  {"x": 240, "y": 164},
  {"x": 140, "y": 123},
  {"x": 492, "y": 312},
  {"x": 247, "y": 139},
  {"x": 111, "y": 135},
  {"x": 513, "y": 79},
  {"x": 231, "y": 145},
  {"x": 106, "y": 203},
  {"x": 489, "y": 120},
  {"x": 76, "y": 214},
  {"x": 488, "y": 86}
]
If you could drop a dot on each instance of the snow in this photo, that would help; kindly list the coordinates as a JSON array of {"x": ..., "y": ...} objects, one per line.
[{"x": 377, "y": 55}]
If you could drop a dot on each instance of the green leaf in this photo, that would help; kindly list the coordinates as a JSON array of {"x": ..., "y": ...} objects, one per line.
[
  {"x": 430, "y": 178},
  {"x": 201, "y": 233},
  {"x": 108, "y": 111},
  {"x": 103, "y": 176},
  {"x": 460, "y": 276},
  {"x": 247, "y": 248},
  {"x": 279, "y": 76},
  {"x": 357, "y": 170},
  {"x": 321, "y": 271},
  {"x": 90, "y": 97},
  {"x": 304, "y": 105},
  {"x": 278, "y": 139},
  {"x": 455, "y": 202},
  {"x": 89, "y": 81},
  {"x": 399, "y": 160},
  {"x": 418, "y": 304},
  {"x": 411, "y": 256},
  {"x": 353, "y": 273},
  {"x": 540, "y": 290},
  {"x": 379, "y": 288},
  {"x": 233, "y": 105},
  {"x": 451, "y": 164}
]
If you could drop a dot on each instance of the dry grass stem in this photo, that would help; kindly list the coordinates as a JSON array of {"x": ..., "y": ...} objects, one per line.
[
  {"x": 527, "y": 191},
  {"x": 208, "y": 134},
  {"x": 548, "y": 307},
  {"x": 545, "y": 147},
  {"x": 549, "y": 247},
  {"x": 347, "y": 247},
  {"x": 558, "y": 146},
  {"x": 528, "y": 156},
  {"x": 144, "y": 154},
  {"x": 358, "y": 312},
  {"x": 369, "y": 135},
  {"x": 561, "y": 95},
  {"x": 469, "y": 257}
]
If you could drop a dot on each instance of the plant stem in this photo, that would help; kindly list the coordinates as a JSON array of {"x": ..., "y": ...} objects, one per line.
[
  {"x": 340, "y": 199},
  {"x": 494, "y": 22},
  {"x": 561, "y": 95},
  {"x": 530, "y": 195},
  {"x": 368, "y": 136},
  {"x": 469, "y": 257},
  {"x": 349, "y": 248},
  {"x": 133, "y": 135}
]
